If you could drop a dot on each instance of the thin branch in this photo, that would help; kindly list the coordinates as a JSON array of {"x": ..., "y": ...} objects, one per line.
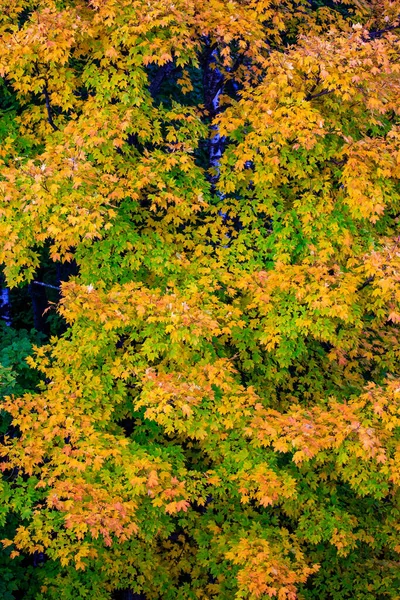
[
  {"x": 323, "y": 93},
  {"x": 338, "y": 163},
  {"x": 49, "y": 109},
  {"x": 316, "y": 83},
  {"x": 53, "y": 287},
  {"x": 366, "y": 282},
  {"x": 380, "y": 32}
]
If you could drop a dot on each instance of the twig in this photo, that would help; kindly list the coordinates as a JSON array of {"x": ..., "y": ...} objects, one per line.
[{"x": 53, "y": 287}]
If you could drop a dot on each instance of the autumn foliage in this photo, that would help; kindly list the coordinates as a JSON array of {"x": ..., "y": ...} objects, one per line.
[{"x": 221, "y": 416}]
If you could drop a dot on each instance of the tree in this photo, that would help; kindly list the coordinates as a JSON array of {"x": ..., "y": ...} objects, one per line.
[{"x": 221, "y": 417}]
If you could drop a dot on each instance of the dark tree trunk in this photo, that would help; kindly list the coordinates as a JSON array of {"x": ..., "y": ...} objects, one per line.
[
  {"x": 39, "y": 304},
  {"x": 162, "y": 74}
]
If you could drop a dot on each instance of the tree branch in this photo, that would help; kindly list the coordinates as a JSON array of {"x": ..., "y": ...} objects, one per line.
[
  {"x": 366, "y": 282},
  {"x": 319, "y": 94},
  {"x": 380, "y": 32},
  {"x": 53, "y": 287},
  {"x": 49, "y": 109},
  {"x": 164, "y": 72}
]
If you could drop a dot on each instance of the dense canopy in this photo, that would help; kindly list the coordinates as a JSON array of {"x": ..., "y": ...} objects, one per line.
[{"x": 212, "y": 405}]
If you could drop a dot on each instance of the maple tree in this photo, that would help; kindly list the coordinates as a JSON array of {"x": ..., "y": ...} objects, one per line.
[{"x": 219, "y": 415}]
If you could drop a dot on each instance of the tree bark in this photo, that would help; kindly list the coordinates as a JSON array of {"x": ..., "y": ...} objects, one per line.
[
  {"x": 213, "y": 84},
  {"x": 5, "y": 308}
]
